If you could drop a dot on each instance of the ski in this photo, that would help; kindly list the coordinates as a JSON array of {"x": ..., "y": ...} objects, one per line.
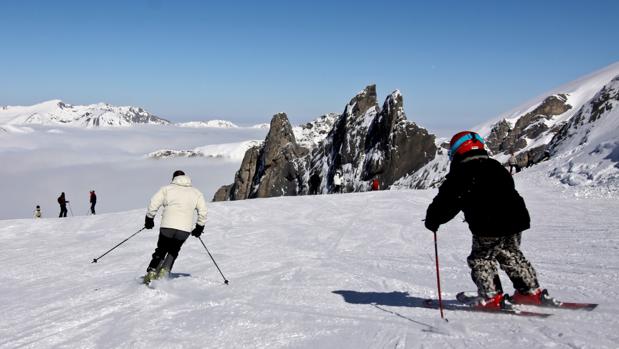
[
  {"x": 455, "y": 305},
  {"x": 466, "y": 297},
  {"x": 564, "y": 305}
]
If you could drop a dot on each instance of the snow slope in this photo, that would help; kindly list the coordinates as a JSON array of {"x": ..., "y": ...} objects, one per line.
[
  {"x": 331, "y": 271},
  {"x": 578, "y": 92}
]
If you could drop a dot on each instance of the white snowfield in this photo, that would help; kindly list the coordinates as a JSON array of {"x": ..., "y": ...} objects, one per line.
[
  {"x": 337, "y": 271},
  {"x": 209, "y": 123}
]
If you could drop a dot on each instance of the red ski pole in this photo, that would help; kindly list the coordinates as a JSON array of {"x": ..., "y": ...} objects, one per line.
[{"x": 438, "y": 278}]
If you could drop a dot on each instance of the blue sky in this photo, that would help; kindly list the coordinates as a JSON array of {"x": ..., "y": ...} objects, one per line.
[{"x": 457, "y": 63}]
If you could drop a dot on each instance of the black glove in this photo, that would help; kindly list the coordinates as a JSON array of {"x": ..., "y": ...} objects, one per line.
[
  {"x": 431, "y": 226},
  {"x": 197, "y": 231},
  {"x": 149, "y": 223}
]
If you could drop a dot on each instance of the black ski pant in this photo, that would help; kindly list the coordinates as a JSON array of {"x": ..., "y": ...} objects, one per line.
[
  {"x": 505, "y": 251},
  {"x": 168, "y": 246},
  {"x": 92, "y": 207},
  {"x": 63, "y": 211}
]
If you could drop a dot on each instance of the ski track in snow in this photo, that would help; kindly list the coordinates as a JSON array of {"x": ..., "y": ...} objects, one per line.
[{"x": 337, "y": 271}]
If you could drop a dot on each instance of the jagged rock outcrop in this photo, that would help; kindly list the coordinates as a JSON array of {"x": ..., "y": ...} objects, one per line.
[
  {"x": 580, "y": 125},
  {"x": 395, "y": 147},
  {"x": 277, "y": 172},
  {"x": 268, "y": 170},
  {"x": 504, "y": 138},
  {"x": 364, "y": 142}
]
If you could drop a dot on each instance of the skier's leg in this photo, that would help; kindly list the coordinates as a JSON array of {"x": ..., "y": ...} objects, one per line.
[
  {"x": 483, "y": 266},
  {"x": 516, "y": 266},
  {"x": 163, "y": 245},
  {"x": 175, "y": 246}
]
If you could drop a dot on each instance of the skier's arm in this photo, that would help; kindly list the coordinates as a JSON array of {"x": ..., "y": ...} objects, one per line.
[
  {"x": 202, "y": 210},
  {"x": 445, "y": 205},
  {"x": 155, "y": 202}
]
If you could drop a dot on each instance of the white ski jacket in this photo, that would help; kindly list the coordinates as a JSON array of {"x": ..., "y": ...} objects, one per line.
[
  {"x": 179, "y": 200},
  {"x": 337, "y": 179}
]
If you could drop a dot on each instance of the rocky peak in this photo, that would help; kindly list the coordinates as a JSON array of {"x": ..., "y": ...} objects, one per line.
[
  {"x": 364, "y": 142},
  {"x": 363, "y": 101},
  {"x": 579, "y": 125},
  {"x": 505, "y": 138}
]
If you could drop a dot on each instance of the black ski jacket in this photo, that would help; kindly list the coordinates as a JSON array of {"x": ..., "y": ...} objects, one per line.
[{"x": 484, "y": 190}]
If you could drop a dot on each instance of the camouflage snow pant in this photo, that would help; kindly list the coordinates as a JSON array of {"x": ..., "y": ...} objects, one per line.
[{"x": 505, "y": 250}]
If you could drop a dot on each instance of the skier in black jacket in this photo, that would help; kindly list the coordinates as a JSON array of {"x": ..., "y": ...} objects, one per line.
[
  {"x": 62, "y": 201},
  {"x": 484, "y": 191},
  {"x": 93, "y": 201}
]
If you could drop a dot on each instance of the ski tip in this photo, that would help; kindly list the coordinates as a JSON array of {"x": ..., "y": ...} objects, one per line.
[
  {"x": 226, "y": 282},
  {"x": 578, "y": 306}
]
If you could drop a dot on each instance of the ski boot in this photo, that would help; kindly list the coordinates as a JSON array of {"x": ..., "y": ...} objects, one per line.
[
  {"x": 163, "y": 273},
  {"x": 534, "y": 297},
  {"x": 150, "y": 276},
  {"x": 496, "y": 302}
]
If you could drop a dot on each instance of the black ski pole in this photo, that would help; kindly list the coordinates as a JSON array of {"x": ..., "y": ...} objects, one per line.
[
  {"x": 438, "y": 278},
  {"x": 122, "y": 242},
  {"x": 207, "y": 251},
  {"x": 70, "y": 210}
]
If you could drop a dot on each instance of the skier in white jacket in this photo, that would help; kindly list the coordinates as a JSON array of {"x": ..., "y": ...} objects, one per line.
[{"x": 179, "y": 200}]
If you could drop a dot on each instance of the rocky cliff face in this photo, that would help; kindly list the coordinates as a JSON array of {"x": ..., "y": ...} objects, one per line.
[
  {"x": 268, "y": 170},
  {"x": 364, "y": 142},
  {"x": 528, "y": 128},
  {"x": 577, "y": 131}
]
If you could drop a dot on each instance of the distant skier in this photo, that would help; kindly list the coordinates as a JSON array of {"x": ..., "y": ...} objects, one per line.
[
  {"x": 314, "y": 183},
  {"x": 513, "y": 163},
  {"x": 179, "y": 200},
  {"x": 93, "y": 201},
  {"x": 337, "y": 181},
  {"x": 375, "y": 184},
  {"x": 496, "y": 214},
  {"x": 62, "y": 201},
  {"x": 37, "y": 212}
]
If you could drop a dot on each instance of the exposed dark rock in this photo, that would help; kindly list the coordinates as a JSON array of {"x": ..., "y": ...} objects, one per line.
[
  {"x": 395, "y": 147},
  {"x": 601, "y": 103},
  {"x": 505, "y": 139},
  {"x": 499, "y": 132},
  {"x": 223, "y": 193},
  {"x": 364, "y": 142},
  {"x": 268, "y": 170}
]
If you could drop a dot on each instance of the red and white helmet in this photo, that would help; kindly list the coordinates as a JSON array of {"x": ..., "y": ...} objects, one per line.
[{"x": 463, "y": 142}]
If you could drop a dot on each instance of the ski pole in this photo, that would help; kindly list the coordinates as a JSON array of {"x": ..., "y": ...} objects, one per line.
[
  {"x": 122, "y": 242},
  {"x": 438, "y": 278},
  {"x": 70, "y": 210},
  {"x": 207, "y": 251}
]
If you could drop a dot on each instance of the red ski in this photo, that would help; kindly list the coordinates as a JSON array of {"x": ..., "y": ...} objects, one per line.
[
  {"x": 550, "y": 303},
  {"x": 455, "y": 305}
]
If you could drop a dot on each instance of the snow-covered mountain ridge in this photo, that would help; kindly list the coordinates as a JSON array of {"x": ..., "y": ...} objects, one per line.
[
  {"x": 575, "y": 125},
  {"x": 56, "y": 112}
]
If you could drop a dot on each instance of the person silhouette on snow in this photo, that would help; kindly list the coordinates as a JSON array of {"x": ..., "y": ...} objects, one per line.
[
  {"x": 179, "y": 200},
  {"x": 93, "y": 201},
  {"x": 62, "y": 201},
  {"x": 37, "y": 212},
  {"x": 337, "y": 181},
  {"x": 496, "y": 214}
]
